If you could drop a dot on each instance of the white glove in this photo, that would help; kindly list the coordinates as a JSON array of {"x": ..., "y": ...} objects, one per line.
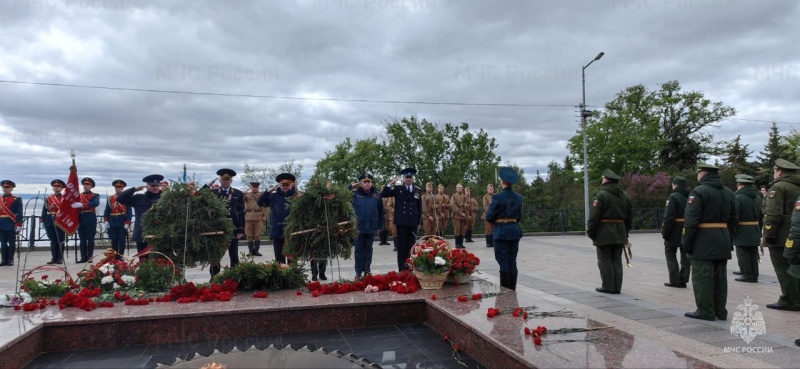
[
  {"x": 105, "y": 225},
  {"x": 18, "y": 229},
  {"x": 127, "y": 227},
  {"x": 77, "y": 205}
]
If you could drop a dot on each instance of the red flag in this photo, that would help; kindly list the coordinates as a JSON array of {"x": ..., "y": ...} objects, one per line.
[{"x": 67, "y": 217}]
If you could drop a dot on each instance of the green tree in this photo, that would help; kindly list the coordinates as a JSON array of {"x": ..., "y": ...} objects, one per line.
[
  {"x": 774, "y": 148},
  {"x": 266, "y": 175},
  {"x": 736, "y": 157},
  {"x": 643, "y": 131}
]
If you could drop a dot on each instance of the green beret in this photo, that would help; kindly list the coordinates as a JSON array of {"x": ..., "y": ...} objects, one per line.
[
  {"x": 785, "y": 164},
  {"x": 610, "y": 175}
]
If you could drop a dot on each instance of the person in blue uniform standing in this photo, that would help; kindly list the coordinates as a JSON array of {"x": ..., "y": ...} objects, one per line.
[
  {"x": 277, "y": 200},
  {"x": 368, "y": 205},
  {"x": 87, "y": 220},
  {"x": 141, "y": 203},
  {"x": 57, "y": 236},
  {"x": 505, "y": 213},
  {"x": 118, "y": 218},
  {"x": 10, "y": 222},
  {"x": 234, "y": 201},
  {"x": 407, "y": 213}
]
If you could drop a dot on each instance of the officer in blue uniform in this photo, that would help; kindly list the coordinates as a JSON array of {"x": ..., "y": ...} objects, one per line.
[
  {"x": 10, "y": 222},
  {"x": 87, "y": 220},
  {"x": 407, "y": 213},
  {"x": 277, "y": 200},
  {"x": 57, "y": 237},
  {"x": 141, "y": 203},
  {"x": 118, "y": 218},
  {"x": 234, "y": 201},
  {"x": 505, "y": 213}
]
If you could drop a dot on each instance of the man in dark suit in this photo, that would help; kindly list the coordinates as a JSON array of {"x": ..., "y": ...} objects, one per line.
[
  {"x": 234, "y": 201},
  {"x": 141, "y": 203},
  {"x": 407, "y": 212}
]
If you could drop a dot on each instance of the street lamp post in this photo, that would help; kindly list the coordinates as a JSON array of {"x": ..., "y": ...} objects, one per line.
[{"x": 585, "y": 114}]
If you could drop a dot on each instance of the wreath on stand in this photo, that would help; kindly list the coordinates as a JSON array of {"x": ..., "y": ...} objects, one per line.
[
  {"x": 322, "y": 223},
  {"x": 188, "y": 226}
]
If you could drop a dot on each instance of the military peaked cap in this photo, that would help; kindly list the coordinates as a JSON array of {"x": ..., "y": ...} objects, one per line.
[
  {"x": 8, "y": 183},
  {"x": 119, "y": 183},
  {"x": 365, "y": 176},
  {"x": 88, "y": 180},
  {"x": 610, "y": 175},
  {"x": 409, "y": 172},
  {"x": 707, "y": 167},
  {"x": 508, "y": 175},
  {"x": 58, "y": 182},
  {"x": 153, "y": 179},
  {"x": 255, "y": 184},
  {"x": 744, "y": 179},
  {"x": 785, "y": 164},
  {"x": 226, "y": 173},
  {"x": 285, "y": 177}
]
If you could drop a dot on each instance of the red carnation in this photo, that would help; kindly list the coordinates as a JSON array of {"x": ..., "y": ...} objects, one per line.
[{"x": 537, "y": 341}]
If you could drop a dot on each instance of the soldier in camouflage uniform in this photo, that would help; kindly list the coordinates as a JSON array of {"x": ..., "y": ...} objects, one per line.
[
  {"x": 671, "y": 231},
  {"x": 778, "y": 207},
  {"x": 610, "y": 220},
  {"x": 748, "y": 230},
  {"x": 711, "y": 222}
]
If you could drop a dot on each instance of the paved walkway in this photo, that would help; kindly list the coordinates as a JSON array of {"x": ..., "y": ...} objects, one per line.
[{"x": 563, "y": 269}]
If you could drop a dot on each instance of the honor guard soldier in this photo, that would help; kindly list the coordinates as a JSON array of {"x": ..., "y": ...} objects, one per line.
[
  {"x": 473, "y": 208},
  {"x": 610, "y": 220},
  {"x": 779, "y": 206},
  {"x": 488, "y": 228},
  {"x": 459, "y": 204},
  {"x": 443, "y": 203},
  {"x": 748, "y": 230},
  {"x": 10, "y": 222},
  {"x": 505, "y": 213},
  {"x": 234, "y": 201},
  {"x": 407, "y": 213},
  {"x": 118, "y": 219},
  {"x": 254, "y": 218},
  {"x": 141, "y": 203},
  {"x": 57, "y": 237},
  {"x": 388, "y": 206},
  {"x": 87, "y": 220},
  {"x": 708, "y": 230},
  {"x": 671, "y": 232},
  {"x": 429, "y": 214},
  {"x": 278, "y": 200}
]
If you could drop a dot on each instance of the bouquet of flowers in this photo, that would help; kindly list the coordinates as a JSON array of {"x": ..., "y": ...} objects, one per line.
[
  {"x": 47, "y": 287},
  {"x": 464, "y": 262},
  {"x": 431, "y": 257},
  {"x": 108, "y": 275},
  {"x": 16, "y": 299}
]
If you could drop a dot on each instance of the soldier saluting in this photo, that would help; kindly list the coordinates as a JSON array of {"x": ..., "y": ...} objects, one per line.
[
  {"x": 141, "y": 203},
  {"x": 407, "y": 213},
  {"x": 234, "y": 201}
]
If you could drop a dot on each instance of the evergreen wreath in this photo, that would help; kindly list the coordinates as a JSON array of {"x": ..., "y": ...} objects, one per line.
[
  {"x": 315, "y": 218},
  {"x": 204, "y": 238}
]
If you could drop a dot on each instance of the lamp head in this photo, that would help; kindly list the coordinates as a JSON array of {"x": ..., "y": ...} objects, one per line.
[{"x": 599, "y": 56}]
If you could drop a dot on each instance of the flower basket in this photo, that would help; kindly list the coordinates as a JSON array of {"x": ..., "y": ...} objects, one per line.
[
  {"x": 458, "y": 279},
  {"x": 56, "y": 285},
  {"x": 462, "y": 267},
  {"x": 430, "y": 281}
]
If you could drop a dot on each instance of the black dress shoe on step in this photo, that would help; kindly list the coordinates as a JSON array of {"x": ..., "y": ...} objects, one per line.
[
  {"x": 778, "y": 306},
  {"x": 736, "y": 272},
  {"x": 675, "y": 285},
  {"x": 51, "y": 262},
  {"x": 745, "y": 280},
  {"x": 696, "y": 315},
  {"x": 606, "y": 291},
  {"x": 257, "y": 254}
]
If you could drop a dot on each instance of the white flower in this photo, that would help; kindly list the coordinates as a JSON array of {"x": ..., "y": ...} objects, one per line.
[
  {"x": 116, "y": 286},
  {"x": 107, "y": 279},
  {"x": 439, "y": 261},
  {"x": 427, "y": 249},
  {"x": 106, "y": 268},
  {"x": 129, "y": 279}
]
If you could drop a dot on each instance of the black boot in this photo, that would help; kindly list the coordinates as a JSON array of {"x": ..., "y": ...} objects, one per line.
[
  {"x": 383, "y": 237},
  {"x": 513, "y": 281},
  {"x": 394, "y": 242},
  {"x": 489, "y": 241},
  {"x": 323, "y": 264},
  {"x": 257, "y": 247},
  {"x": 505, "y": 279},
  {"x": 250, "y": 251},
  {"x": 460, "y": 242},
  {"x": 11, "y": 251},
  {"x": 469, "y": 236},
  {"x": 3, "y": 253},
  {"x": 314, "y": 270}
]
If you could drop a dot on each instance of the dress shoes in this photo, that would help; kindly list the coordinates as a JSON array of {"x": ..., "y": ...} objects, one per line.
[
  {"x": 745, "y": 280},
  {"x": 606, "y": 291},
  {"x": 736, "y": 272},
  {"x": 51, "y": 262},
  {"x": 779, "y": 306},
  {"x": 797, "y": 342},
  {"x": 676, "y": 285},
  {"x": 257, "y": 254},
  {"x": 696, "y": 315}
]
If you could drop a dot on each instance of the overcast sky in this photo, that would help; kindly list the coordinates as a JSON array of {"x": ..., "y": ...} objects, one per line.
[{"x": 516, "y": 52}]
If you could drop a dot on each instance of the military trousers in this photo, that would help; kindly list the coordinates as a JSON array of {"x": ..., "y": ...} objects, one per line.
[
  {"x": 443, "y": 225},
  {"x": 118, "y": 236},
  {"x": 252, "y": 229},
  {"x": 747, "y": 257},
  {"x": 790, "y": 286},
  {"x": 233, "y": 254},
  {"x": 363, "y": 253},
  {"x": 459, "y": 226},
  {"x": 8, "y": 245},
  {"x": 488, "y": 228},
  {"x": 710, "y": 285},
  {"x": 678, "y": 273},
  {"x": 57, "y": 239},
  {"x": 609, "y": 261},
  {"x": 429, "y": 225},
  {"x": 87, "y": 230},
  {"x": 277, "y": 245},
  {"x": 406, "y": 238},
  {"x": 470, "y": 223},
  {"x": 505, "y": 252}
]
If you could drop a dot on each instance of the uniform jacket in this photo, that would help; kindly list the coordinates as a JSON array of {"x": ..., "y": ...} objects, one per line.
[
  {"x": 459, "y": 203},
  {"x": 792, "y": 244},
  {"x": 710, "y": 203},
  {"x": 778, "y": 206},
  {"x": 253, "y": 212},
  {"x": 429, "y": 206},
  {"x": 506, "y": 204},
  {"x": 407, "y": 205},
  {"x": 278, "y": 204},
  {"x": 369, "y": 211},
  {"x": 50, "y": 209},
  {"x": 234, "y": 201},
  {"x": 116, "y": 214},
  {"x": 389, "y": 208},
  {"x": 140, "y": 204},
  {"x": 10, "y": 212},
  {"x": 90, "y": 201},
  {"x": 487, "y": 200},
  {"x": 473, "y": 208},
  {"x": 443, "y": 201},
  {"x": 610, "y": 217},
  {"x": 671, "y": 230},
  {"x": 748, "y": 207}
]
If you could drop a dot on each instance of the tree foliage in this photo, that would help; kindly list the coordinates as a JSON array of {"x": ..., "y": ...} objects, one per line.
[
  {"x": 642, "y": 131},
  {"x": 266, "y": 175}
]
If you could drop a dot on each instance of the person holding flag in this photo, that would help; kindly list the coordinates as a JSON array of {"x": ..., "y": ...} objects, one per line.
[
  {"x": 48, "y": 220},
  {"x": 87, "y": 221},
  {"x": 118, "y": 219},
  {"x": 67, "y": 215},
  {"x": 10, "y": 222}
]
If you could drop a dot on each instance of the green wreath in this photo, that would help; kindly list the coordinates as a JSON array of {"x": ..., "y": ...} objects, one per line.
[{"x": 321, "y": 224}]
